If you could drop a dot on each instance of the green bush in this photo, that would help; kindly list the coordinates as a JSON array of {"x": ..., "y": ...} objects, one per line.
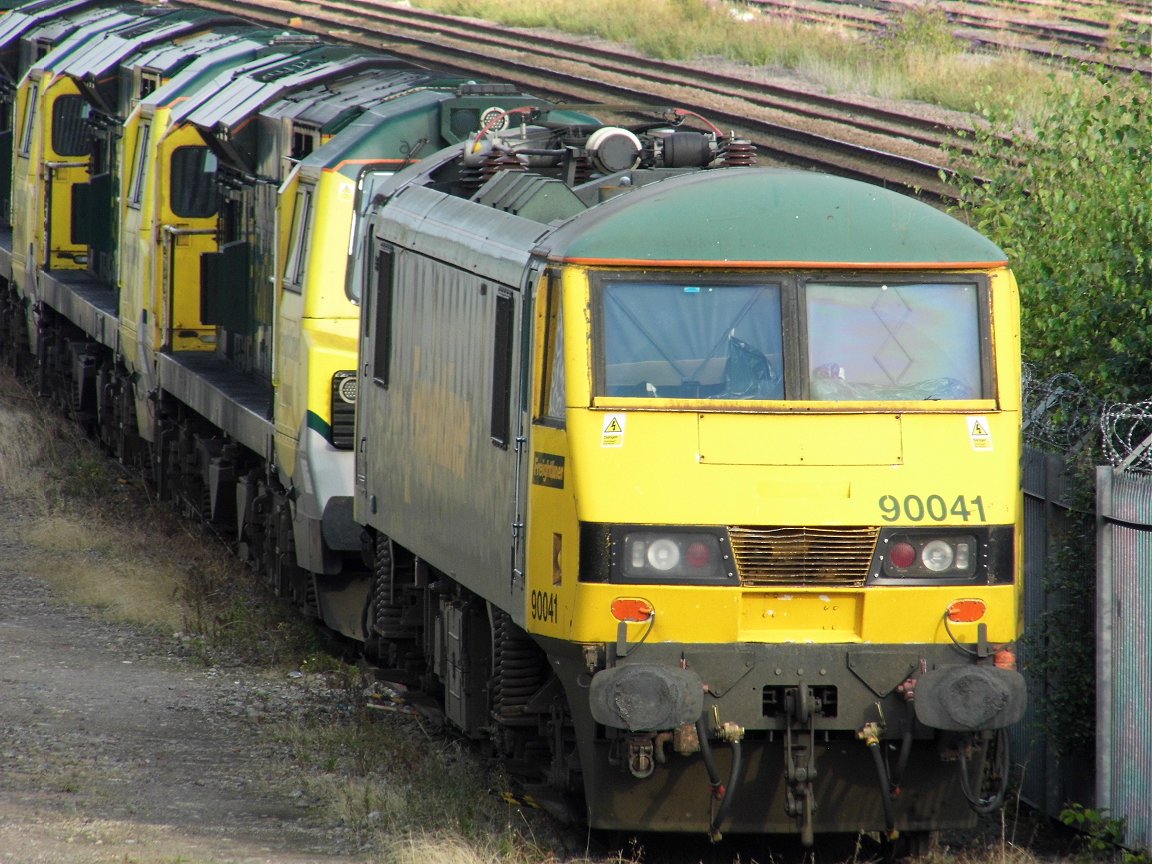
[
  {"x": 1102, "y": 837},
  {"x": 1069, "y": 202}
]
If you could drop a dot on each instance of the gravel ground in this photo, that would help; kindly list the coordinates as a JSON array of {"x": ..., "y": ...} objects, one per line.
[{"x": 115, "y": 748}]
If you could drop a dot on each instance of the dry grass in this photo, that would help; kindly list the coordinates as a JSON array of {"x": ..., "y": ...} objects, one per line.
[
  {"x": 425, "y": 848},
  {"x": 115, "y": 574},
  {"x": 918, "y": 59},
  {"x": 75, "y": 517},
  {"x": 98, "y": 537},
  {"x": 22, "y": 447},
  {"x": 412, "y": 791}
]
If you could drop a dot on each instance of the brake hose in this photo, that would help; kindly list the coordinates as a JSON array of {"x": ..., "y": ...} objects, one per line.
[
  {"x": 723, "y": 794},
  {"x": 991, "y": 804},
  {"x": 870, "y": 735},
  {"x": 709, "y": 761},
  {"x": 897, "y": 777},
  {"x": 729, "y": 794}
]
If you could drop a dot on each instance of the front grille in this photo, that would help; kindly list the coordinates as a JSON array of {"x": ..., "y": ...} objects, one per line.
[{"x": 803, "y": 556}]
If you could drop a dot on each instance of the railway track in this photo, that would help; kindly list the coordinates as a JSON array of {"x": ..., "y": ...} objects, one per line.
[
  {"x": 1058, "y": 32},
  {"x": 847, "y": 137}
]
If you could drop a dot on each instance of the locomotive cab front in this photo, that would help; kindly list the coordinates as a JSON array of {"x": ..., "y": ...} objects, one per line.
[{"x": 774, "y": 506}]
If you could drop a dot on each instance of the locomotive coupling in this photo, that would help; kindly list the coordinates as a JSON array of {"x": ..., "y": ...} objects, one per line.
[{"x": 641, "y": 756}]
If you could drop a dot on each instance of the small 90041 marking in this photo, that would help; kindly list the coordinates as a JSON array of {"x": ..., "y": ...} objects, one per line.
[
  {"x": 933, "y": 508},
  {"x": 544, "y": 605}
]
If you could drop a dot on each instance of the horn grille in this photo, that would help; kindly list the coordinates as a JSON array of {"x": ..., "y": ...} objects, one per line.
[{"x": 804, "y": 556}]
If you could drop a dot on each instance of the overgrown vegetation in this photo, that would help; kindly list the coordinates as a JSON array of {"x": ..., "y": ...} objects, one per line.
[
  {"x": 1068, "y": 200},
  {"x": 1061, "y": 645},
  {"x": 1069, "y": 203}
]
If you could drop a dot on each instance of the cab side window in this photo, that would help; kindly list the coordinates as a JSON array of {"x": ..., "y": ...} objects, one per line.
[
  {"x": 139, "y": 166},
  {"x": 504, "y": 337},
  {"x": 29, "y": 119},
  {"x": 552, "y": 395},
  {"x": 380, "y": 289},
  {"x": 193, "y": 182},
  {"x": 69, "y": 114},
  {"x": 294, "y": 267}
]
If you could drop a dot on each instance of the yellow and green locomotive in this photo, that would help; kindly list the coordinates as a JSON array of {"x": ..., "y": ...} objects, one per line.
[
  {"x": 721, "y": 461},
  {"x": 692, "y": 485}
]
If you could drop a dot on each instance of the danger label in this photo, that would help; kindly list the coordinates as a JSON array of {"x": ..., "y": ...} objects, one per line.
[
  {"x": 613, "y": 432},
  {"x": 980, "y": 433}
]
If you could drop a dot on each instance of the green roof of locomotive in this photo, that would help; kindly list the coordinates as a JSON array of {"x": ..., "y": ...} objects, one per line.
[{"x": 764, "y": 216}]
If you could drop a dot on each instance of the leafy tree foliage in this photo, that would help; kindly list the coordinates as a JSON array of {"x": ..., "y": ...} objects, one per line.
[{"x": 1071, "y": 203}]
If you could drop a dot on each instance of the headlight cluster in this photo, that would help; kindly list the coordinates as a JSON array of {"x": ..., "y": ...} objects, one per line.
[
  {"x": 646, "y": 555},
  {"x": 930, "y": 555},
  {"x": 344, "y": 387},
  {"x": 697, "y": 555}
]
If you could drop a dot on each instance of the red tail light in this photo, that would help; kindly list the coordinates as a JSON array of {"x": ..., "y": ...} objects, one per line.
[
  {"x": 902, "y": 554},
  {"x": 698, "y": 555}
]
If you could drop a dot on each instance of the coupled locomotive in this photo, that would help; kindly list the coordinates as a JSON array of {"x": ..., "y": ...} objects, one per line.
[{"x": 692, "y": 485}]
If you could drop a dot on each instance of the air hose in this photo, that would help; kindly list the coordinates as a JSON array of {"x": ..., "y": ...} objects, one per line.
[
  {"x": 885, "y": 795},
  {"x": 709, "y": 760},
  {"x": 726, "y": 795},
  {"x": 897, "y": 777},
  {"x": 729, "y": 794},
  {"x": 992, "y": 803}
]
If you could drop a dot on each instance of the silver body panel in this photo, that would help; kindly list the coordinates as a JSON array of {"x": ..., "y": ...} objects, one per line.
[{"x": 429, "y": 474}]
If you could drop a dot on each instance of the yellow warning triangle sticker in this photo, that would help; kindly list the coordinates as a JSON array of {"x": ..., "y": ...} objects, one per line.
[
  {"x": 977, "y": 429},
  {"x": 613, "y": 426}
]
